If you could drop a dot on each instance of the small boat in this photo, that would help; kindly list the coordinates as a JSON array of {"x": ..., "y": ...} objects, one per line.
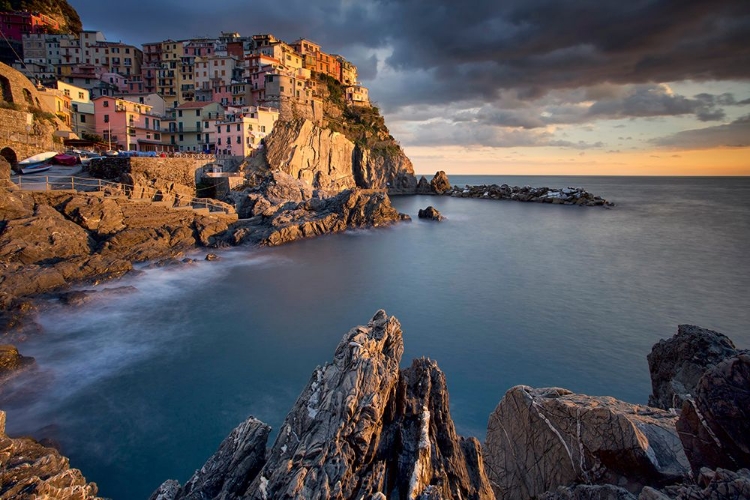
[
  {"x": 39, "y": 167},
  {"x": 36, "y": 163},
  {"x": 40, "y": 158},
  {"x": 65, "y": 159}
]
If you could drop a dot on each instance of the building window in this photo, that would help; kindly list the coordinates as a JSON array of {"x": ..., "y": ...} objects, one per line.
[
  {"x": 218, "y": 141},
  {"x": 197, "y": 112},
  {"x": 179, "y": 112},
  {"x": 105, "y": 104},
  {"x": 238, "y": 127},
  {"x": 239, "y": 140},
  {"x": 83, "y": 119},
  {"x": 198, "y": 137},
  {"x": 181, "y": 138},
  {"x": 106, "y": 118}
]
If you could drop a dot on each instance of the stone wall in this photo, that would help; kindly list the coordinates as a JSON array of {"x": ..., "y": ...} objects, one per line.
[
  {"x": 27, "y": 125},
  {"x": 182, "y": 171},
  {"x": 18, "y": 142}
]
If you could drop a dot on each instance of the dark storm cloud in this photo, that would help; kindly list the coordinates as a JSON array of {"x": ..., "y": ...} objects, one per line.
[
  {"x": 734, "y": 134},
  {"x": 475, "y": 48}
]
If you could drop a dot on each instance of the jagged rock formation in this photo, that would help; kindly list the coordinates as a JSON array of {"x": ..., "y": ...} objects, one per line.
[
  {"x": 539, "y": 439},
  {"x": 440, "y": 183},
  {"x": 715, "y": 426},
  {"x": 274, "y": 222},
  {"x": 430, "y": 213},
  {"x": 566, "y": 196},
  {"x": 588, "y": 492},
  {"x": 50, "y": 239},
  {"x": 30, "y": 471},
  {"x": 678, "y": 363},
  {"x": 361, "y": 429},
  {"x": 12, "y": 361},
  {"x": 329, "y": 161}
]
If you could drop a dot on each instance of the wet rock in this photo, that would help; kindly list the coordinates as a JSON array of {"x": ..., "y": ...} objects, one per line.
[
  {"x": 439, "y": 183},
  {"x": 678, "y": 363},
  {"x": 430, "y": 213},
  {"x": 30, "y": 471},
  {"x": 715, "y": 426},
  {"x": 12, "y": 361},
  {"x": 539, "y": 439},
  {"x": 710, "y": 485},
  {"x": 212, "y": 257}
]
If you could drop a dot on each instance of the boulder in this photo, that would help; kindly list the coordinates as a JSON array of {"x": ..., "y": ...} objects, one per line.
[
  {"x": 715, "y": 426},
  {"x": 539, "y": 439},
  {"x": 430, "y": 213},
  {"x": 30, "y": 471},
  {"x": 440, "y": 183},
  {"x": 678, "y": 363}
]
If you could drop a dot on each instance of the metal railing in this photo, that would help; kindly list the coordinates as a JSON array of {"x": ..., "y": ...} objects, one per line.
[{"x": 110, "y": 188}]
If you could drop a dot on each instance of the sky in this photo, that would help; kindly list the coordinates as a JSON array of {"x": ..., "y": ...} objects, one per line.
[{"x": 514, "y": 87}]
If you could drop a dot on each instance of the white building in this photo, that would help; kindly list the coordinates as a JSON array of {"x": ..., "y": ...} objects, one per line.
[{"x": 241, "y": 133}]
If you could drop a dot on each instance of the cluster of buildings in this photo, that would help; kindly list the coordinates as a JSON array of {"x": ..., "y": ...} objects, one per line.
[{"x": 219, "y": 95}]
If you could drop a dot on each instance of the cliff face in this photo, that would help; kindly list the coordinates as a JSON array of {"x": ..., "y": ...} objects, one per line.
[
  {"x": 329, "y": 161},
  {"x": 316, "y": 156}
]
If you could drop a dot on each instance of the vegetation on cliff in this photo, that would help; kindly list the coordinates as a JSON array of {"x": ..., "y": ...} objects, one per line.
[
  {"x": 361, "y": 124},
  {"x": 59, "y": 10}
]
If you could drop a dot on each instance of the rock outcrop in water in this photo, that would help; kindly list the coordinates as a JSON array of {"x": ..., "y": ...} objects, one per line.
[
  {"x": 430, "y": 213},
  {"x": 30, "y": 471},
  {"x": 11, "y": 361},
  {"x": 277, "y": 225},
  {"x": 360, "y": 429},
  {"x": 567, "y": 196}
]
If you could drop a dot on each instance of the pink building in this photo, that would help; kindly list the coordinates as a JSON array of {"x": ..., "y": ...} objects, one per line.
[{"x": 130, "y": 126}]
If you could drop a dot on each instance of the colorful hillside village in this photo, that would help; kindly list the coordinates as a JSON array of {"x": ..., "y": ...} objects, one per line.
[{"x": 214, "y": 95}]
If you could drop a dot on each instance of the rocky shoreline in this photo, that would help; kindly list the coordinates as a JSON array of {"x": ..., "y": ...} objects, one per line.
[{"x": 363, "y": 428}]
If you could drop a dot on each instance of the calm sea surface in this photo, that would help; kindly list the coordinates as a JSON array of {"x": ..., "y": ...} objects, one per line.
[{"x": 142, "y": 387}]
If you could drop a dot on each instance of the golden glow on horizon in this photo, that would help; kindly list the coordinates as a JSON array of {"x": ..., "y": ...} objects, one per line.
[{"x": 554, "y": 161}]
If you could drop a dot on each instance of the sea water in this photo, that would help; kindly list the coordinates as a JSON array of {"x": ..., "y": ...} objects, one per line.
[{"x": 141, "y": 386}]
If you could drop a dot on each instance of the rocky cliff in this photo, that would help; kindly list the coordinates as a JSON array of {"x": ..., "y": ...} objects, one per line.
[{"x": 329, "y": 161}]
